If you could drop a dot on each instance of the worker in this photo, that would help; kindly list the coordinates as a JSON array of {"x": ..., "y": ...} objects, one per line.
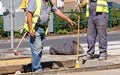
[
  {"x": 97, "y": 13},
  {"x": 37, "y": 13}
]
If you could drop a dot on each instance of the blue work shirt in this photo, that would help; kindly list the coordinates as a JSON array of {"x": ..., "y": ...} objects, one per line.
[{"x": 45, "y": 10}]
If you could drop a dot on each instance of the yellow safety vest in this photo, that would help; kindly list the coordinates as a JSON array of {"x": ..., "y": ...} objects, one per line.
[
  {"x": 24, "y": 4},
  {"x": 36, "y": 16},
  {"x": 102, "y": 6}
]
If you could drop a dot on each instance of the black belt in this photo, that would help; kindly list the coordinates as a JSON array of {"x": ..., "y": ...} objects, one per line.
[
  {"x": 38, "y": 25},
  {"x": 98, "y": 13},
  {"x": 93, "y": 0}
]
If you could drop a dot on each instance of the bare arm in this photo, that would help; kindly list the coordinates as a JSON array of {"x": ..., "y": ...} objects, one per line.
[
  {"x": 60, "y": 14},
  {"x": 29, "y": 20}
]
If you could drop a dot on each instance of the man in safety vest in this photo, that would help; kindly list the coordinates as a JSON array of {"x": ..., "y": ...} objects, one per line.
[
  {"x": 97, "y": 13},
  {"x": 37, "y": 12}
]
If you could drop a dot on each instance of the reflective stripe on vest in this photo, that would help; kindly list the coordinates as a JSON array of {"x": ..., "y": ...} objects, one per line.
[
  {"x": 35, "y": 17},
  {"x": 102, "y": 6}
]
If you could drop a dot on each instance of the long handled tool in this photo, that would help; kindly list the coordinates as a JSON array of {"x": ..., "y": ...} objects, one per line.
[
  {"x": 77, "y": 65},
  {"x": 16, "y": 51}
]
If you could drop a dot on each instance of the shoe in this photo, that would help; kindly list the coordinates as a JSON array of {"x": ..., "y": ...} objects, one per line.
[
  {"x": 39, "y": 70},
  {"x": 101, "y": 58},
  {"x": 89, "y": 57}
]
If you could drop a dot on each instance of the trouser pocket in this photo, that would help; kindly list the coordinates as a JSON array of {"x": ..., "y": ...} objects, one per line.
[{"x": 101, "y": 19}]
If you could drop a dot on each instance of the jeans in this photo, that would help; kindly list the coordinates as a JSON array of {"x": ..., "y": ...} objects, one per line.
[{"x": 36, "y": 45}]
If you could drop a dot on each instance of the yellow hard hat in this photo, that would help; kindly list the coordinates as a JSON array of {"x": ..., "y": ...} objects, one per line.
[{"x": 23, "y": 4}]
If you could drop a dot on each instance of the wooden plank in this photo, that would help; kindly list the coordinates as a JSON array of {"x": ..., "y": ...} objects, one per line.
[
  {"x": 12, "y": 62},
  {"x": 12, "y": 65},
  {"x": 10, "y": 69}
]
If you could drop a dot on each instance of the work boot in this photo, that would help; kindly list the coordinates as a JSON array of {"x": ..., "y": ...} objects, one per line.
[
  {"x": 89, "y": 57},
  {"x": 102, "y": 58}
]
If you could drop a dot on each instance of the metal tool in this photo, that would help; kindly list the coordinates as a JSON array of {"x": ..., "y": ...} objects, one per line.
[
  {"x": 77, "y": 65},
  {"x": 16, "y": 52}
]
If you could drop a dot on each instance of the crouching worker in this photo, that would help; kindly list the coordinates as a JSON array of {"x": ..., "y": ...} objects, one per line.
[{"x": 66, "y": 48}]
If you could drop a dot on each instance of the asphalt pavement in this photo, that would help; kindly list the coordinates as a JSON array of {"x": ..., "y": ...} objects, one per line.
[{"x": 113, "y": 42}]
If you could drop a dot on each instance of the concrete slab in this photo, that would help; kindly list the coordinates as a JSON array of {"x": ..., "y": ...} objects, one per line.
[
  {"x": 103, "y": 72},
  {"x": 22, "y": 62},
  {"x": 52, "y": 64}
]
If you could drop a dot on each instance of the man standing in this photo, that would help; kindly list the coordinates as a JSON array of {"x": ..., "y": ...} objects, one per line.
[
  {"x": 97, "y": 12},
  {"x": 37, "y": 13}
]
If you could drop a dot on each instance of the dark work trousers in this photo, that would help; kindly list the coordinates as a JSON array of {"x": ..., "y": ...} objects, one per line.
[{"x": 97, "y": 25}]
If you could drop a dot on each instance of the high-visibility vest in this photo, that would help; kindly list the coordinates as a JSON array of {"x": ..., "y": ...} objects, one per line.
[
  {"x": 35, "y": 17},
  {"x": 102, "y": 6},
  {"x": 24, "y": 4},
  {"x": 36, "y": 14}
]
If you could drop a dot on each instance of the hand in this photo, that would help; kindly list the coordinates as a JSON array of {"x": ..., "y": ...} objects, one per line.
[
  {"x": 32, "y": 33},
  {"x": 70, "y": 22}
]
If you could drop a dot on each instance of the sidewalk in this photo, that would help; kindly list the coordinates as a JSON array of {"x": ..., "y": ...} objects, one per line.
[
  {"x": 7, "y": 58},
  {"x": 101, "y": 72},
  {"x": 62, "y": 61}
]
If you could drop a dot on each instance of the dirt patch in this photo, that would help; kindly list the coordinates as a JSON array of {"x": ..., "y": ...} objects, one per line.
[{"x": 113, "y": 29}]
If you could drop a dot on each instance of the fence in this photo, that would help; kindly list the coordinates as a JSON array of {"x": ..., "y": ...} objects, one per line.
[
  {"x": 114, "y": 19},
  {"x": 1, "y": 22}
]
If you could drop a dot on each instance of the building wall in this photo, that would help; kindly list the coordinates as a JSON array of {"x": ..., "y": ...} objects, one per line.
[
  {"x": 54, "y": 1},
  {"x": 69, "y": 6},
  {"x": 116, "y": 1},
  {"x": 70, "y": 1}
]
